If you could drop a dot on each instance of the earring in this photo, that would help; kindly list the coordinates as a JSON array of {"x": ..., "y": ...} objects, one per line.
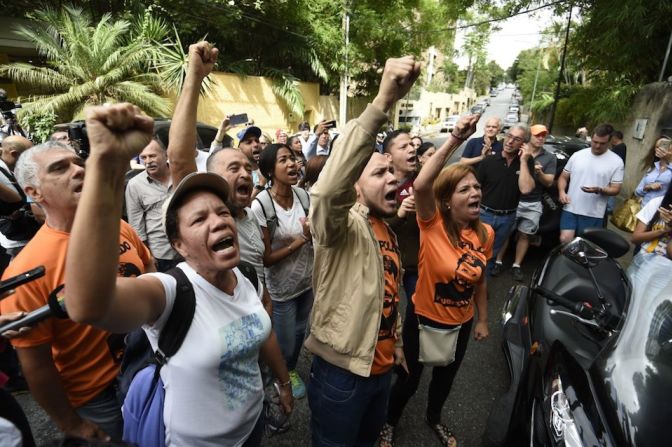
[{"x": 448, "y": 207}]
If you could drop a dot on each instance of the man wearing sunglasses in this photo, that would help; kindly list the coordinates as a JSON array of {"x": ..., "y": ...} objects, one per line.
[{"x": 502, "y": 185}]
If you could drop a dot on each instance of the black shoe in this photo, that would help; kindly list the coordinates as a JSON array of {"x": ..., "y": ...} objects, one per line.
[
  {"x": 496, "y": 269},
  {"x": 517, "y": 274}
]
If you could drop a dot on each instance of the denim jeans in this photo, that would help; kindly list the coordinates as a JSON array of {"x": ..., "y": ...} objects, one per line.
[
  {"x": 503, "y": 226},
  {"x": 105, "y": 411},
  {"x": 290, "y": 321},
  {"x": 410, "y": 280},
  {"x": 346, "y": 409}
]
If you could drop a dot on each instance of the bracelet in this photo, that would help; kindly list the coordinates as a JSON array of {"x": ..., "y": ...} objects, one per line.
[
  {"x": 283, "y": 384},
  {"x": 455, "y": 136}
]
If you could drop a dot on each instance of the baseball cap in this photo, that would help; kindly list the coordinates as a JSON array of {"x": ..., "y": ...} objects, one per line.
[
  {"x": 196, "y": 181},
  {"x": 538, "y": 129},
  {"x": 253, "y": 130}
]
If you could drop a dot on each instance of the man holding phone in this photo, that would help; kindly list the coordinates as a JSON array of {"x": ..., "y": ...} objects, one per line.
[
  {"x": 318, "y": 143},
  {"x": 596, "y": 173}
]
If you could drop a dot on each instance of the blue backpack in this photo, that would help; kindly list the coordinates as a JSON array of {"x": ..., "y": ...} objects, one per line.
[{"x": 140, "y": 379}]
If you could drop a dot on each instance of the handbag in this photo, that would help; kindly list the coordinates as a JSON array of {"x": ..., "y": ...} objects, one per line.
[
  {"x": 625, "y": 215},
  {"x": 437, "y": 345}
]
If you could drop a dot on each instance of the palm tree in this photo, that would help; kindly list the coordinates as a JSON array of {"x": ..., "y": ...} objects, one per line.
[{"x": 88, "y": 63}]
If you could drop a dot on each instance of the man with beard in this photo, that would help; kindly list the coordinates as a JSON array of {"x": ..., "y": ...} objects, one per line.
[
  {"x": 402, "y": 154},
  {"x": 71, "y": 368},
  {"x": 355, "y": 331},
  {"x": 502, "y": 184},
  {"x": 145, "y": 195}
]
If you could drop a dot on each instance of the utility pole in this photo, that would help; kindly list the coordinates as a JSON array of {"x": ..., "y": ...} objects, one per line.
[
  {"x": 343, "y": 94},
  {"x": 562, "y": 69}
]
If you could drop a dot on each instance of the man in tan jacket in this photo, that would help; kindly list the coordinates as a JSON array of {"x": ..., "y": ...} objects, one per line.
[{"x": 355, "y": 333}]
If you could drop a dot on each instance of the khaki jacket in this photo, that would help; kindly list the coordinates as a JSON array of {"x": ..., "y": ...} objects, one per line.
[{"x": 348, "y": 275}]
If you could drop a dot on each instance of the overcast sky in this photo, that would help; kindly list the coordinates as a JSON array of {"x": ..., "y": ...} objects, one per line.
[{"x": 516, "y": 34}]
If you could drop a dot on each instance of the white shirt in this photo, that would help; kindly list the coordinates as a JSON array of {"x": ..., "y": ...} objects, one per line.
[
  {"x": 293, "y": 275},
  {"x": 214, "y": 393},
  {"x": 587, "y": 169},
  {"x": 4, "y": 242},
  {"x": 251, "y": 242},
  {"x": 201, "y": 160}
]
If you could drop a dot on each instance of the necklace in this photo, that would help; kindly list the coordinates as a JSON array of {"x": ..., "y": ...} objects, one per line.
[{"x": 285, "y": 202}]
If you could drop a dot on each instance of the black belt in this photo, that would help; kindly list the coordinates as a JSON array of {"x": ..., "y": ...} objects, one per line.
[{"x": 498, "y": 212}]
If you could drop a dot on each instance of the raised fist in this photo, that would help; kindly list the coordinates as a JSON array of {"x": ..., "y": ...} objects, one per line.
[
  {"x": 202, "y": 59},
  {"x": 398, "y": 78},
  {"x": 466, "y": 126},
  {"x": 119, "y": 132}
]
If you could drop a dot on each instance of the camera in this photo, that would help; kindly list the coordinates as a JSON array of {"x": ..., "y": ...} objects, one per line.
[{"x": 79, "y": 138}]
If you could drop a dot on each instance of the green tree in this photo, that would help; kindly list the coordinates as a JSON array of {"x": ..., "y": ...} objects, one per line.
[{"x": 88, "y": 63}]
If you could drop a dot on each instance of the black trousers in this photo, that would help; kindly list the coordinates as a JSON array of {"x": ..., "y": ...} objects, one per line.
[
  {"x": 442, "y": 376},
  {"x": 11, "y": 410}
]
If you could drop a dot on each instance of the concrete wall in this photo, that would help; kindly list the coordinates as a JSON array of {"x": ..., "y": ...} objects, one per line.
[{"x": 654, "y": 104}]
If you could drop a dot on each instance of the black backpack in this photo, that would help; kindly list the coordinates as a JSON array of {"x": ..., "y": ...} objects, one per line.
[
  {"x": 139, "y": 353},
  {"x": 17, "y": 222}
]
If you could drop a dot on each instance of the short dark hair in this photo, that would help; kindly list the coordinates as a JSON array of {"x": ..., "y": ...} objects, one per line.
[
  {"x": 424, "y": 147},
  {"x": 387, "y": 142},
  {"x": 213, "y": 155},
  {"x": 603, "y": 130},
  {"x": 618, "y": 134}
]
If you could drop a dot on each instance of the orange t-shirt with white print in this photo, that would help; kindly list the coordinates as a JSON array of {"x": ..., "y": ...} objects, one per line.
[
  {"x": 383, "y": 359},
  {"x": 448, "y": 275},
  {"x": 86, "y": 358}
]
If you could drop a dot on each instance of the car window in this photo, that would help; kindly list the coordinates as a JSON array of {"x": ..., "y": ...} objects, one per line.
[{"x": 206, "y": 135}]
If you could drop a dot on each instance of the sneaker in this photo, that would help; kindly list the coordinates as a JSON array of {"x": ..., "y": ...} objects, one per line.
[
  {"x": 496, "y": 269},
  {"x": 517, "y": 274},
  {"x": 298, "y": 387},
  {"x": 386, "y": 436}
]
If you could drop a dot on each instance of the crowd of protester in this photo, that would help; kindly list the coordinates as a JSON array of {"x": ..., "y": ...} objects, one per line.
[{"x": 335, "y": 232}]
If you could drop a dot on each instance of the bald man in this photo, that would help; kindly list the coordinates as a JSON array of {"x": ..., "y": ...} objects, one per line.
[
  {"x": 11, "y": 195},
  {"x": 479, "y": 148}
]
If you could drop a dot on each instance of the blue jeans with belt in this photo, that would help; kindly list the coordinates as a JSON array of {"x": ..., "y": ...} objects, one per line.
[
  {"x": 503, "y": 225},
  {"x": 346, "y": 409}
]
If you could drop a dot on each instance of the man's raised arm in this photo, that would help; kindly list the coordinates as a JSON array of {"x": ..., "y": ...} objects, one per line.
[
  {"x": 182, "y": 137},
  {"x": 334, "y": 193}
]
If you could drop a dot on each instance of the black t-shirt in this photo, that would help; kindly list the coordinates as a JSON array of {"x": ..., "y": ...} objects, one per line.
[
  {"x": 499, "y": 182},
  {"x": 620, "y": 150},
  {"x": 474, "y": 148}
]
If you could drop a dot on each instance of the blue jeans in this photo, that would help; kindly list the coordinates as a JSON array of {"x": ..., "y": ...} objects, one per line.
[
  {"x": 410, "y": 280},
  {"x": 503, "y": 226},
  {"x": 105, "y": 411},
  {"x": 346, "y": 409},
  {"x": 290, "y": 320}
]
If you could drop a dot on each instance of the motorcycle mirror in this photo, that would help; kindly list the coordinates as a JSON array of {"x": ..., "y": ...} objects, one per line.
[
  {"x": 584, "y": 252},
  {"x": 611, "y": 242}
]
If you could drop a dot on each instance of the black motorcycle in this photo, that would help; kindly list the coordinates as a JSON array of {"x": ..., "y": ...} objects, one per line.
[{"x": 577, "y": 379}]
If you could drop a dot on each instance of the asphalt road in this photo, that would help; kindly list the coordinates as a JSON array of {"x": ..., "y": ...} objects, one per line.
[{"x": 482, "y": 376}]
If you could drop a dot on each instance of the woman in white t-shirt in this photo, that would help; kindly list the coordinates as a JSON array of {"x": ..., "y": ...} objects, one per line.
[
  {"x": 288, "y": 253},
  {"x": 654, "y": 225},
  {"x": 213, "y": 387}
]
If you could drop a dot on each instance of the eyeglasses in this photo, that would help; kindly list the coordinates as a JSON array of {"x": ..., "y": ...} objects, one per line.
[{"x": 515, "y": 139}]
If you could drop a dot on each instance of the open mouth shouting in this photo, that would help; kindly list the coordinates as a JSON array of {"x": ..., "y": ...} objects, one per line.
[
  {"x": 474, "y": 206},
  {"x": 224, "y": 246},
  {"x": 293, "y": 174},
  {"x": 244, "y": 189},
  {"x": 391, "y": 198}
]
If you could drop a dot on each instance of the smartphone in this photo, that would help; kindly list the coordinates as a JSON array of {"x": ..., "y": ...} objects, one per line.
[
  {"x": 330, "y": 124},
  {"x": 23, "y": 278},
  {"x": 236, "y": 120}
]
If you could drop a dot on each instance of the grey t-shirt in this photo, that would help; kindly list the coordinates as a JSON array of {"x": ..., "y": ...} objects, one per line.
[
  {"x": 548, "y": 163},
  {"x": 251, "y": 243}
]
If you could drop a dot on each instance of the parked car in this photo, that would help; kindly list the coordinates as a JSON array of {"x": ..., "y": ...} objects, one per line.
[
  {"x": 477, "y": 109},
  {"x": 486, "y": 101},
  {"x": 510, "y": 120},
  {"x": 449, "y": 123},
  {"x": 514, "y": 109},
  {"x": 205, "y": 133}
]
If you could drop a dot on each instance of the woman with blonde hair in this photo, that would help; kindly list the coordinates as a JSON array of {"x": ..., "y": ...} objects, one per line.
[
  {"x": 454, "y": 249},
  {"x": 658, "y": 171}
]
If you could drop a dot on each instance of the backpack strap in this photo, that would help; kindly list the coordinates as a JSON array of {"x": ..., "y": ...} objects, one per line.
[
  {"x": 268, "y": 208},
  {"x": 304, "y": 198},
  {"x": 250, "y": 273},
  {"x": 179, "y": 320}
]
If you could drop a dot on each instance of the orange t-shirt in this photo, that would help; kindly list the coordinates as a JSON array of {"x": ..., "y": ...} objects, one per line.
[
  {"x": 447, "y": 275},
  {"x": 383, "y": 358},
  {"x": 85, "y": 357}
]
